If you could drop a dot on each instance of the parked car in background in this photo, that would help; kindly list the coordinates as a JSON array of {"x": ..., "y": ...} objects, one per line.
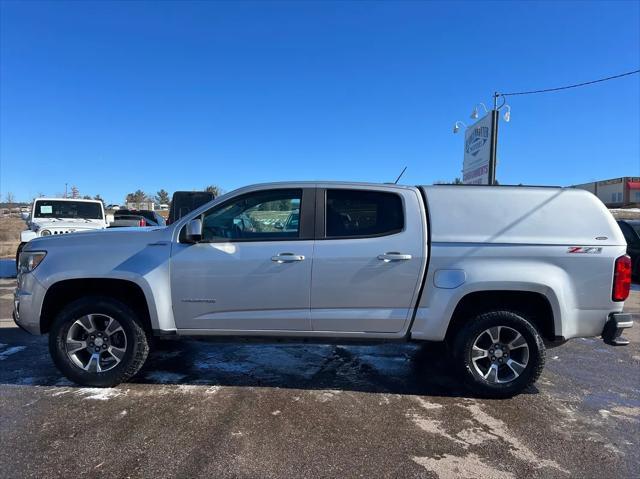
[
  {"x": 57, "y": 216},
  {"x": 631, "y": 231},
  {"x": 113, "y": 207},
  {"x": 291, "y": 224},
  {"x": 184, "y": 202},
  {"x": 494, "y": 273},
  {"x": 124, "y": 217}
]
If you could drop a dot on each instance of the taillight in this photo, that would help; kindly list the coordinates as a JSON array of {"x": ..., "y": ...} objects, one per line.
[
  {"x": 621, "y": 279},
  {"x": 142, "y": 222}
]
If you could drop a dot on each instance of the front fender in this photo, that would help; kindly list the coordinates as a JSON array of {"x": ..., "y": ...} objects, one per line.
[{"x": 148, "y": 268}]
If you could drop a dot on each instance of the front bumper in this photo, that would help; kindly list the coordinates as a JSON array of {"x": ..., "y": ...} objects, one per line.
[
  {"x": 617, "y": 322},
  {"x": 27, "y": 303}
]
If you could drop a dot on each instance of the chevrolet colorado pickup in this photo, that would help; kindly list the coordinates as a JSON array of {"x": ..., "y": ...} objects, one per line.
[{"x": 496, "y": 273}]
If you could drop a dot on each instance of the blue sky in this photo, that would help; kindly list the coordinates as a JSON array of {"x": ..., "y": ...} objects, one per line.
[{"x": 118, "y": 96}]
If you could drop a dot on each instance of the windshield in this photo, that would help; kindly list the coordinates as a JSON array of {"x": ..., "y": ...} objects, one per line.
[{"x": 67, "y": 209}]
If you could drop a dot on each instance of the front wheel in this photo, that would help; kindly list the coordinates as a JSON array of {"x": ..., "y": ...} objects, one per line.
[
  {"x": 499, "y": 354},
  {"x": 98, "y": 341}
]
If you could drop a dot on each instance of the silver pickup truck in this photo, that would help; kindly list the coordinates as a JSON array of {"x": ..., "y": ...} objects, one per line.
[{"x": 496, "y": 273}]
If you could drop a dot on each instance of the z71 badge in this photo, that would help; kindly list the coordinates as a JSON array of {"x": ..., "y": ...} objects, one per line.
[{"x": 584, "y": 249}]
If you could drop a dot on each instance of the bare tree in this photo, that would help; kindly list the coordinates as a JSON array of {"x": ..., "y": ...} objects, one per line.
[
  {"x": 11, "y": 199},
  {"x": 216, "y": 190},
  {"x": 75, "y": 192}
]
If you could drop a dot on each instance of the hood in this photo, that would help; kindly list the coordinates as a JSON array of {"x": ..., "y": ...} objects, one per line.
[
  {"x": 63, "y": 223},
  {"x": 103, "y": 238}
]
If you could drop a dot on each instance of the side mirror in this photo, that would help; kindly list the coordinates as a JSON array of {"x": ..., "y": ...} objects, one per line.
[
  {"x": 278, "y": 225},
  {"x": 194, "y": 230}
]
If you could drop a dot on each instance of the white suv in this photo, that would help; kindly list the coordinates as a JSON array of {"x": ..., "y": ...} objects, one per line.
[{"x": 57, "y": 216}]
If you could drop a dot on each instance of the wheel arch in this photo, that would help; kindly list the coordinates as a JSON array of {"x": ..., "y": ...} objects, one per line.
[
  {"x": 535, "y": 306},
  {"x": 63, "y": 292}
]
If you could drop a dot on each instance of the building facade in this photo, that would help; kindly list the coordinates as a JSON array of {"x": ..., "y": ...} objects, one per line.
[{"x": 617, "y": 192}]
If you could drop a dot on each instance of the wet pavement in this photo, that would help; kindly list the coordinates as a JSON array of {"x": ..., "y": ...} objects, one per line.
[{"x": 202, "y": 409}]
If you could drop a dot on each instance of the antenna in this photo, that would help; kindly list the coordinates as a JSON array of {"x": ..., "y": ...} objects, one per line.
[{"x": 400, "y": 176}]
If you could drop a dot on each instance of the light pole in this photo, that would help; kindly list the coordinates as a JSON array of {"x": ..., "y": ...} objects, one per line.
[
  {"x": 456, "y": 127},
  {"x": 495, "y": 116}
]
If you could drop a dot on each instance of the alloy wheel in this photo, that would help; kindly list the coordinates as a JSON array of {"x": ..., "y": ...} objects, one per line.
[
  {"x": 96, "y": 343},
  {"x": 500, "y": 354}
]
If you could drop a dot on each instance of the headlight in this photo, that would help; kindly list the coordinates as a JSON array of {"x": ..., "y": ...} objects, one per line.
[
  {"x": 45, "y": 233},
  {"x": 29, "y": 260}
]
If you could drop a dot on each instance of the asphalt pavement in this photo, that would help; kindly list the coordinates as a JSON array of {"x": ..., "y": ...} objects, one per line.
[{"x": 201, "y": 409}]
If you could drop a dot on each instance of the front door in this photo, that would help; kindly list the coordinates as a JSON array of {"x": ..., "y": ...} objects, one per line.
[
  {"x": 368, "y": 261},
  {"x": 252, "y": 269}
]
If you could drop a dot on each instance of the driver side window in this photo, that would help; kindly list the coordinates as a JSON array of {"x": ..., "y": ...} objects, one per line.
[{"x": 260, "y": 216}]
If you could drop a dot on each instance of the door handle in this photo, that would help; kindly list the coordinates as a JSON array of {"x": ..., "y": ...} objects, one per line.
[
  {"x": 287, "y": 258},
  {"x": 393, "y": 256}
]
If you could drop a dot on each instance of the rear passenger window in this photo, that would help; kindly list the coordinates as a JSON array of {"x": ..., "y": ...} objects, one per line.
[{"x": 361, "y": 213}]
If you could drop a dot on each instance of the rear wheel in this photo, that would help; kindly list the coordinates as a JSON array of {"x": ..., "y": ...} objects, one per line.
[
  {"x": 97, "y": 341},
  {"x": 499, "y": 354}
]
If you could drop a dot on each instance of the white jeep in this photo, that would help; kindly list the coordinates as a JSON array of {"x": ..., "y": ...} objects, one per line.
[{"x": 57, "y": 216}]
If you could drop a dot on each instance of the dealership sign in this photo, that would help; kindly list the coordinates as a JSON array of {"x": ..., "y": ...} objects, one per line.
[{"x": 477, "y": 152}]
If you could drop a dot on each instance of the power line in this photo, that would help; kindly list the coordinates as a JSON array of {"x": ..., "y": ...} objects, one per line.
[{"x": 568, "y": 86}]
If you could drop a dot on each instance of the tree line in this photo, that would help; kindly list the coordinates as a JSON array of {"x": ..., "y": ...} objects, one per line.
[{"x": 161, "y": 197}]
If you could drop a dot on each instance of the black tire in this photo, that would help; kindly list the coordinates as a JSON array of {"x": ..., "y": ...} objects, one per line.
[
  {"x": 20, "y": 246},
  {"x": 137, "y": 346},
  {"x": 463, "y": 346}
]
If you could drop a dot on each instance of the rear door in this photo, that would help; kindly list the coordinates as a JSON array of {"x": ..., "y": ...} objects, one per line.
[{"x": 369, "y": 258}]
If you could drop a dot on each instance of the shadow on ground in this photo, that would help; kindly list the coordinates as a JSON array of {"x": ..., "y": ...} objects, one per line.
[{"x": 390, "y": 368}]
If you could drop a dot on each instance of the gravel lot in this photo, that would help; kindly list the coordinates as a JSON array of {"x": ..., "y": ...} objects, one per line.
[{"x": 202, "y": 409}]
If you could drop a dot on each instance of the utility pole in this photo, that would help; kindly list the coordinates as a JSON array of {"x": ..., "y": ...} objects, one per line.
[
  {"x": 65, "y": 190},
  {"x": 493, "y": 149}
]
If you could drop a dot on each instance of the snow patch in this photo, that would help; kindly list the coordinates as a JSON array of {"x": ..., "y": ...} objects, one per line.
[
  {"x": 212, "y": 390},
  {"x": 475, "y": 435},
  {"x": 433, "y": 426},
  {"x": 99, "y": 394},
  {"x": 625, "y": 413},
  {"x": 518, "y": 449},
  {"x": 188, "y": 388},
  {"x": 8, "y": 352},
  {"x": 604, "y": 413},
  {"x": 467, "y": 467},
  {"x": 325, "y": 396},
  {"x": 59, "y": 392},
  {"x": 428, "y": 405}
]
